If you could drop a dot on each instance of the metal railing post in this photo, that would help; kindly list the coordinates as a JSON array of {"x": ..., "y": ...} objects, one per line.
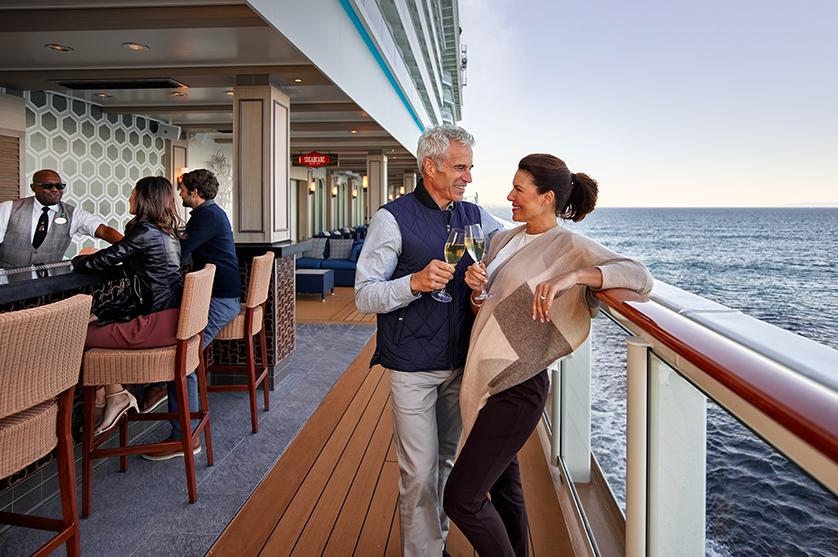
[
  {"x": 555, "y": 413},
  {"x": 636, "y": 446}
]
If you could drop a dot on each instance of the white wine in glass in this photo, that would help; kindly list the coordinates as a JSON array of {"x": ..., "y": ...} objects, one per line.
[
  {"x": 476, "y": 246},
  {"x": 455, "y": 247}
]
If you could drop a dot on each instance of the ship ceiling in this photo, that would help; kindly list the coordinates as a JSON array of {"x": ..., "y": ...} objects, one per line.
[{"x": 203, "y": 46}]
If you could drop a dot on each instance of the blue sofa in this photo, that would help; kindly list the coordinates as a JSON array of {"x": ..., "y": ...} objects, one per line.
[{"x": 343, "y": 267}]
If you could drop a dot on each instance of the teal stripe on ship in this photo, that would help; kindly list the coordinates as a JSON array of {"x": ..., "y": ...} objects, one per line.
[{"x": 356, "y": 21}]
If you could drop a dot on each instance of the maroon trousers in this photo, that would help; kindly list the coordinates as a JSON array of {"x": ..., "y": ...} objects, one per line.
[
  {"x": 154, "y": 330},
  {"x": 488, "y": 463}
]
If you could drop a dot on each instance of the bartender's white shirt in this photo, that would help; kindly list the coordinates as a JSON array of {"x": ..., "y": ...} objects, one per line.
[{"x": 82, "y": 222}]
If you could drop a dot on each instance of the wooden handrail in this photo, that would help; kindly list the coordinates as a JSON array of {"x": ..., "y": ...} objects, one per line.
[{"x": 802, "y": 406}]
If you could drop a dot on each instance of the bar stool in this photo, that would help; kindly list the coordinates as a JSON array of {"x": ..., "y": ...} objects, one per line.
[
  {"x": 245, "y": 326},
  {"x": 170, "y": 363},
  {"x": 40, "y": 354}
]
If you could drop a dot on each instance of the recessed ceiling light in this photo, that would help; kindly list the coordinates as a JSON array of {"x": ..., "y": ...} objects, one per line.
[
  {"x": 298, "y": 80},
  {"x": 230, "y": 92},
  {"x": 353, "y": 131},
  {"x": 104, "y": 95},
  {"x": 58, "y": 47},
  {"x": 177, "y": 94},
  {"x": 136, "y": 47}
]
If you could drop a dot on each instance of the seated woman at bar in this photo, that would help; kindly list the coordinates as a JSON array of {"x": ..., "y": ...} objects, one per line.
[
  {"x": 540, "y": 276},
  {"x": 146, "y": 314}
]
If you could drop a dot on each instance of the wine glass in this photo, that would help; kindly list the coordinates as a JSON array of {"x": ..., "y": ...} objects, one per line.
[
  {"x": 454, "y": 250},
  {"x": 476, "y": 246}
]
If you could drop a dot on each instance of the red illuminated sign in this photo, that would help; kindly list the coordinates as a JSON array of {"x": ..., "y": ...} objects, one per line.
[{"x": 315, "y": 159}]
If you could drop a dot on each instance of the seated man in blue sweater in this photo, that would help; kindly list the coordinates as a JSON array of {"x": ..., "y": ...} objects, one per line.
[{"x": 208, "y": 239}]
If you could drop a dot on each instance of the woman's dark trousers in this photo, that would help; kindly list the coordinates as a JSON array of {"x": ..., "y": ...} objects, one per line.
[{"x": 488, "y": 463}]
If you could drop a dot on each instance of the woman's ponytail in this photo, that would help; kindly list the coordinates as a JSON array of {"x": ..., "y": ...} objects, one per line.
[{"x": 582, "y": 199}]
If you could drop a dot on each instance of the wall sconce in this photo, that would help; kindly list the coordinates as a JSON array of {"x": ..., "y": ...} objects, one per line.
[
  {"x": 334, "y": 191},
  {"x": 401, "y": 190},
  {"x": 390, "y": 197},
  {"x": 312, "y": 187},
  {"x": 365, "y": 182},
  {"x": 354, "y": 193}
]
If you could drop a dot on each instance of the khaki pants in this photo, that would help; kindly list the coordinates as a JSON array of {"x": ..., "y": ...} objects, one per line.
[{"x": 427, "y": 427}]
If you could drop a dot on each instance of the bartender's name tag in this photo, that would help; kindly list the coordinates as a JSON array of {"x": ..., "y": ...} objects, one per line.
[{"x": 60, "y": 220}]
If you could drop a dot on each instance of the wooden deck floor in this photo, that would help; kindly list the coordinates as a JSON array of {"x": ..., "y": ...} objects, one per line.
[
  {"x": 339, "y": 308},
  {"x": 334, "y": 491}
]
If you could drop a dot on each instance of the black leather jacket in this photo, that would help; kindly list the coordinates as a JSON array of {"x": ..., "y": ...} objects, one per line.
[{"x": 151, "y": 260}]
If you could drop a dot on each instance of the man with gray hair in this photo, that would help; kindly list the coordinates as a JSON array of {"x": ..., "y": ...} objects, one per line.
[{"x": 421, "y": 342}]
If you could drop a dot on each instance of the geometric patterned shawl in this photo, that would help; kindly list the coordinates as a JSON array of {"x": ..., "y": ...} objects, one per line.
[{"x": 507, "y": 347}]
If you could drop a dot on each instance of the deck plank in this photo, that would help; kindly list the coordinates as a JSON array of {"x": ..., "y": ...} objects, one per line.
[
  {"x": 331, "y": 498},
  {"x": 348, "y": 525},
  {"x": 548, "y": 532},
  {"x": 248, "y": 531},
  {"x": 457, "y": 544},
  {"x": 290, "y": 526},
  {"x": 376, "y": 529},
  {"x": 394, "y": 541}
]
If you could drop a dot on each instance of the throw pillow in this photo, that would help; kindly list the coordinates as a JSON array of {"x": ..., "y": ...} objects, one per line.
[
  {"x": 340, "y": 249},
  {"x": 317, "y": 250},
  {"x": 356, "y": 250}
]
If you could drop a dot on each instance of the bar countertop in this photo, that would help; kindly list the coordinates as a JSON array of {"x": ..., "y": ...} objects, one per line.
[
  {"x": 26, "y": 284},
  {"x": 281, "y": 249}
]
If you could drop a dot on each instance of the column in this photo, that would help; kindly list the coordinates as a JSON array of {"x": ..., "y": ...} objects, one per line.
[
  {"x": 376, "y": 183},
  {"x": 261, "y": 155},
  {"x": 262, "y": 212},
  {"x": 409, "y": 182}
]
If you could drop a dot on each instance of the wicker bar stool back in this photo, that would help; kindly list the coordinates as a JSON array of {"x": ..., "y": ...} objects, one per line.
[
  {"x": 247, "y": 324},
  {"x": 170, "y": 363},
  {"x": 40, "y": 356}
]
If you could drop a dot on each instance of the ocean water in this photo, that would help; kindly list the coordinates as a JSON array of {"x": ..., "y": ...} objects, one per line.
[{"x": 778, "y": 265}]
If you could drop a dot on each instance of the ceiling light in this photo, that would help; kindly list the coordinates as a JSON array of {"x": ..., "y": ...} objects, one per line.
[
  {"x": 298, "y": 80},
  {"x": 353, "y": 131},
  {"x": 177, "y": 94},
  {"x": 230, "y": 92},
  {"x": 58, "y": 47},
  {"x": 136, "y": 47},
  {"x": 104, "y": 95}
]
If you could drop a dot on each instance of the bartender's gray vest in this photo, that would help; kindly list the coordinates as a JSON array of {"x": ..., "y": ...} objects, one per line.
[{"x": 16, "y": 249}]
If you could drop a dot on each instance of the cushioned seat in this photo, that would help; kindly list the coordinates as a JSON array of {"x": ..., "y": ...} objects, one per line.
[
  {"x": 27, "y": 436},
  {"x": 338, "y": 264},
  {"x": 235, "y": 329},
  {"x": 308, "y": 263},
  {"x": 150, "y": 365}
]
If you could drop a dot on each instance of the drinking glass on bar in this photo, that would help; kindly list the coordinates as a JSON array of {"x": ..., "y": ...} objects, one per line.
[
  {"x": 476, "y": 246},
  {"x": 454, "y": 250}
]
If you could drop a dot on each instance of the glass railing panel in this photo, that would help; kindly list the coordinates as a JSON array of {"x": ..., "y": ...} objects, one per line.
[
  {"x": 760, "y": 503},
  {"x": 676, "y": 426},
  {"x": 608, "y": 404}
]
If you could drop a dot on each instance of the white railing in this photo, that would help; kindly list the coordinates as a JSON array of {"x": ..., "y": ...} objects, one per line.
[{"x": 681, "y": 350}]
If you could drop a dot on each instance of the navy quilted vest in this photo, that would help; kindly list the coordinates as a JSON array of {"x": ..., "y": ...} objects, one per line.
[{"x": 427, "y": 335}]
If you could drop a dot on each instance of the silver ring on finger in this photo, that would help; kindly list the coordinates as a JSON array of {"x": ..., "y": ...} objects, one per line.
[{"x": 543, "y": 297}]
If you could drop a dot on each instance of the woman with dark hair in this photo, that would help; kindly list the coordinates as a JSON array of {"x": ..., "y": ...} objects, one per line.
[
  {"x": 541, "y": 277},
  {"x": 146, "y": 313}
]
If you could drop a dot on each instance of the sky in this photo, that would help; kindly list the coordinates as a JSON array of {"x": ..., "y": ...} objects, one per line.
[{"x": 677, "y": 103}]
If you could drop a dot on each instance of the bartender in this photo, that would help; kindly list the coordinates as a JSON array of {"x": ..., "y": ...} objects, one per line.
[{"x": 38, "y": 229}]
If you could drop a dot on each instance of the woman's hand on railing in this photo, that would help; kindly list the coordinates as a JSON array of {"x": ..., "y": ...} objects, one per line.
[{"x": 476, "y": 276}]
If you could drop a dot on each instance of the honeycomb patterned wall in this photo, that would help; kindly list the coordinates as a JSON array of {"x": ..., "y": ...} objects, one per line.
[{"x": 100, "y": 156}]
